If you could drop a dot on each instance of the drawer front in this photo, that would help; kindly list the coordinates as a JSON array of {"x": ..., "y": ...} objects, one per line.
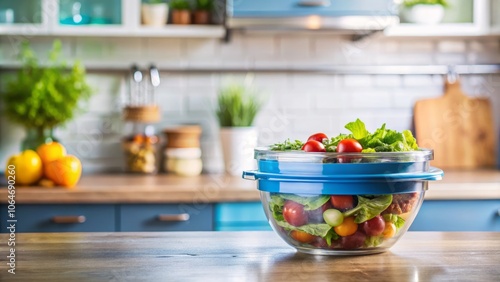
[
  {"x": 62, "y": 218},
  {"x": 473, "y": 215},
  {"x": 240, "y": 216},
  {"x": 166, "y": 217}
]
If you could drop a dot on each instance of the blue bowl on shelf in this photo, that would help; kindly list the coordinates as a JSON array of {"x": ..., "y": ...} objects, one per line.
[{"x": 342, "y": 203}]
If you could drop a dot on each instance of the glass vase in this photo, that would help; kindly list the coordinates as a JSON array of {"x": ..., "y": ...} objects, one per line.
[{"x": 36, "y": 137}]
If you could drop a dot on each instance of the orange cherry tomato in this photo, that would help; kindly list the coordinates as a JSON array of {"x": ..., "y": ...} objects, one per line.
[
  {"x": 389, "y": 230},
  {"x": 348, "y": 227},
  {"x": 302, "y": 237}
]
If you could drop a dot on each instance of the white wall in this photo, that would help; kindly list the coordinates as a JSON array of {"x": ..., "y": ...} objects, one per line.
[{"x": 298, "y": 104}]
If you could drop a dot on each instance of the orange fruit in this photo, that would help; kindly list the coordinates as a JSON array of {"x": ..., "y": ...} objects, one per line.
[
  {"x": 50, "y": 152},
  {"x": 65, "y": 171},
  {"x": 24, "y": 168}
]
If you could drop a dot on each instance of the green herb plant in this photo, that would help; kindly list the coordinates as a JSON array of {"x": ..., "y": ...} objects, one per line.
[
  {"x": 155, "y": 1},
  {"x": 45, "y": 97},
  {"x": 180, "y": 5},
  {"x": 237, "y": 106},
  {"x": 411, "y": 3},
  {"x": 204, "y": 5}
]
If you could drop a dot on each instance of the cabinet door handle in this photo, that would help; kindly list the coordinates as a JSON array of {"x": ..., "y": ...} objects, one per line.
[
  {"x": 314, "y": 3},
  {"x": 66, "y": 219},
  {"x": 174, "y": 217}
]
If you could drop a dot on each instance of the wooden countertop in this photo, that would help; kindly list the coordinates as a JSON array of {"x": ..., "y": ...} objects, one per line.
[
  {"x": 246, "y": 256},
  {"x": 123, "y": 188}
]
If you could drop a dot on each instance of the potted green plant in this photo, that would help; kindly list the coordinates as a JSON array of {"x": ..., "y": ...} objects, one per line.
[
  {"x": 42, "y": 98},
  {"x": 237, "y": 107},
  {"x": 181, "y": 12},
  {"x": 424, "y": 11},
  {"x": 154, "y": 13},
  {"x": 203, "y": 11}
]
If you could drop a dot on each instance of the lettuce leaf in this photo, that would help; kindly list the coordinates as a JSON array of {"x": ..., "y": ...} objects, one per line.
[
  {"x": 358, "y": 129},
  {"x": 309, "y": 203},
  {"x": 394, "y": 218},
  {"x": 369, "y": 208}
]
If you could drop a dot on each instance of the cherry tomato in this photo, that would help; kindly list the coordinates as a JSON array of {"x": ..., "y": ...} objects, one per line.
[
  {"x": 348, "y": 227},
  {"x": 348, "y": 146},
  {"x": 353, "y": 241},
  {"x": 389, "y": 230},
  {"x": 333, "y": 217},
  {"x": 316, "y": 216},
  {"x": 294, "y": 213},
  {"x": 302, "y": 237},
  {"x": 313, "y": 146},
  {"x": 342, "y": 202},
  {"x": 374, "y": 226},
  {"x": 318, "y": 137}
]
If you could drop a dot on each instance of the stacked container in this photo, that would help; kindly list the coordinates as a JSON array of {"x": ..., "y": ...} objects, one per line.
[{"x": 182, "y": 152}]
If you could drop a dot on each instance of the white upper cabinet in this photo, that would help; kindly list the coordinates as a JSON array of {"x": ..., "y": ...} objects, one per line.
[{"x": 97, "y": 18}]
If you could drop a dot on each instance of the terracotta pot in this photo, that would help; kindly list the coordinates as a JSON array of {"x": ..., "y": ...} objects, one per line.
[
  {"x": 201, "y": 17},
  {"x": 181, "y": 17}
]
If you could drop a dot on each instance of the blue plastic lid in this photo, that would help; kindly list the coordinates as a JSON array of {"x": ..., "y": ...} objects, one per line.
[{"x": 344, "y": 184}]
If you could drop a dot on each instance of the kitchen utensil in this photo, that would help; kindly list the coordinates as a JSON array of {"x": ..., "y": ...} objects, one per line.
[
  {"x": 154, "y": 75},
  {"x": 319, "y": 205},
  {"x": 458, "y": 128},
  {"x": 135, "y": 86}
]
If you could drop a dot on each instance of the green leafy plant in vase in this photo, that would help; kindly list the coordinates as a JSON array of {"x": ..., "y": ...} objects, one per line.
[
  {"x": 237, "y": 107},
  {"x": 424, "y": 12},
  {"x": 42, "y": 98},
  {"x": 181, "y": 12}
]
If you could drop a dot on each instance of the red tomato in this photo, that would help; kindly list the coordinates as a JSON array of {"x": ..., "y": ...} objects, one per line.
[
  {"x": 342, "y": 202},
  {"x": 318, "y": 137},
  {"x": 302, "y": 237},
  {"x": 313, "y": 146},
  {"x": 294, "y": 213},
  {"x": 349, "y": 145}
]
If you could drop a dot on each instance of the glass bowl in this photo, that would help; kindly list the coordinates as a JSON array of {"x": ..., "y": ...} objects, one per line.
[{"x": 342, "y": 203}]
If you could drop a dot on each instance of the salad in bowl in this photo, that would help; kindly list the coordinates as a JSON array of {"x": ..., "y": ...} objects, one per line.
[{"x": 354, "y": 193}]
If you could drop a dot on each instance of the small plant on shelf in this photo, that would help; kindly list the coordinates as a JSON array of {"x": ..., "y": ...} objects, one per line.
[
  {"x": 423, "y": 11},
  {"x": 154, "y": 13},
  {"x": 203, "y": 11},
  {"x": 181, "y": 12}
]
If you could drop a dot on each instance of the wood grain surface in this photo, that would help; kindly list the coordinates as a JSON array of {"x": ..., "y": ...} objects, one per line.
[
  {"x": 460, "y": 129},
  {"x": 245, "y": 256},
  {"x": 123, "y": 188}
]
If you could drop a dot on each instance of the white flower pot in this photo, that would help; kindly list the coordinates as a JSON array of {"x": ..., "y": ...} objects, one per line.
[
  {"x": 238, "y": 144},
  {"x": 424, "y": 14},
  {"x": 154, "y": 14}
]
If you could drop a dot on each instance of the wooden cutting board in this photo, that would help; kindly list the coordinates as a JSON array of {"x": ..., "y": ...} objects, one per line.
[{"x": 459, "y": 128}]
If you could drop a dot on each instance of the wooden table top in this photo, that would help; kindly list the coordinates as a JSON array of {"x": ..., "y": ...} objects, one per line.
[
  {"x": 130, "y": 188},
  {"x": 245, "y": 256}
]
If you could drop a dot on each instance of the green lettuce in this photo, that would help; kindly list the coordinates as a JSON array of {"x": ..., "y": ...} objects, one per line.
[
  {"x": 309, "y": 203},
  {"x": 369, "y": 208},
  {"x": 394, "y": 218}
]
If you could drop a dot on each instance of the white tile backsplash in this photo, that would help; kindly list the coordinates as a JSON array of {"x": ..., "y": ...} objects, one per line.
[{"x": 298, "y": 104}]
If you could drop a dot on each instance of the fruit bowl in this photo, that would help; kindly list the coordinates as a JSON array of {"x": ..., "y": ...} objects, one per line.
[{"x": 342, "y": 203}]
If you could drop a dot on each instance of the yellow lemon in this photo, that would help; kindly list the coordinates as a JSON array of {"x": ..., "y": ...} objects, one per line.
[{"x": 24, "y": 168}]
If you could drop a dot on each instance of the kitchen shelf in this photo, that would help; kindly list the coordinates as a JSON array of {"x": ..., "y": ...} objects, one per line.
[
  {"x": 191, "y": 31},
  {"x": 439, "y": 30},
  {"x": 130, "y": 26}
]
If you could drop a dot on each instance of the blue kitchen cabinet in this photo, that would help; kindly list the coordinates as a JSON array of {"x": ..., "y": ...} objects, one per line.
[
  {"x": 61, "y": 218},
  {"x": 165, "y": 217},
  {"x": 458, "y": 215},
  {"x": 240, "y": 216}
]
